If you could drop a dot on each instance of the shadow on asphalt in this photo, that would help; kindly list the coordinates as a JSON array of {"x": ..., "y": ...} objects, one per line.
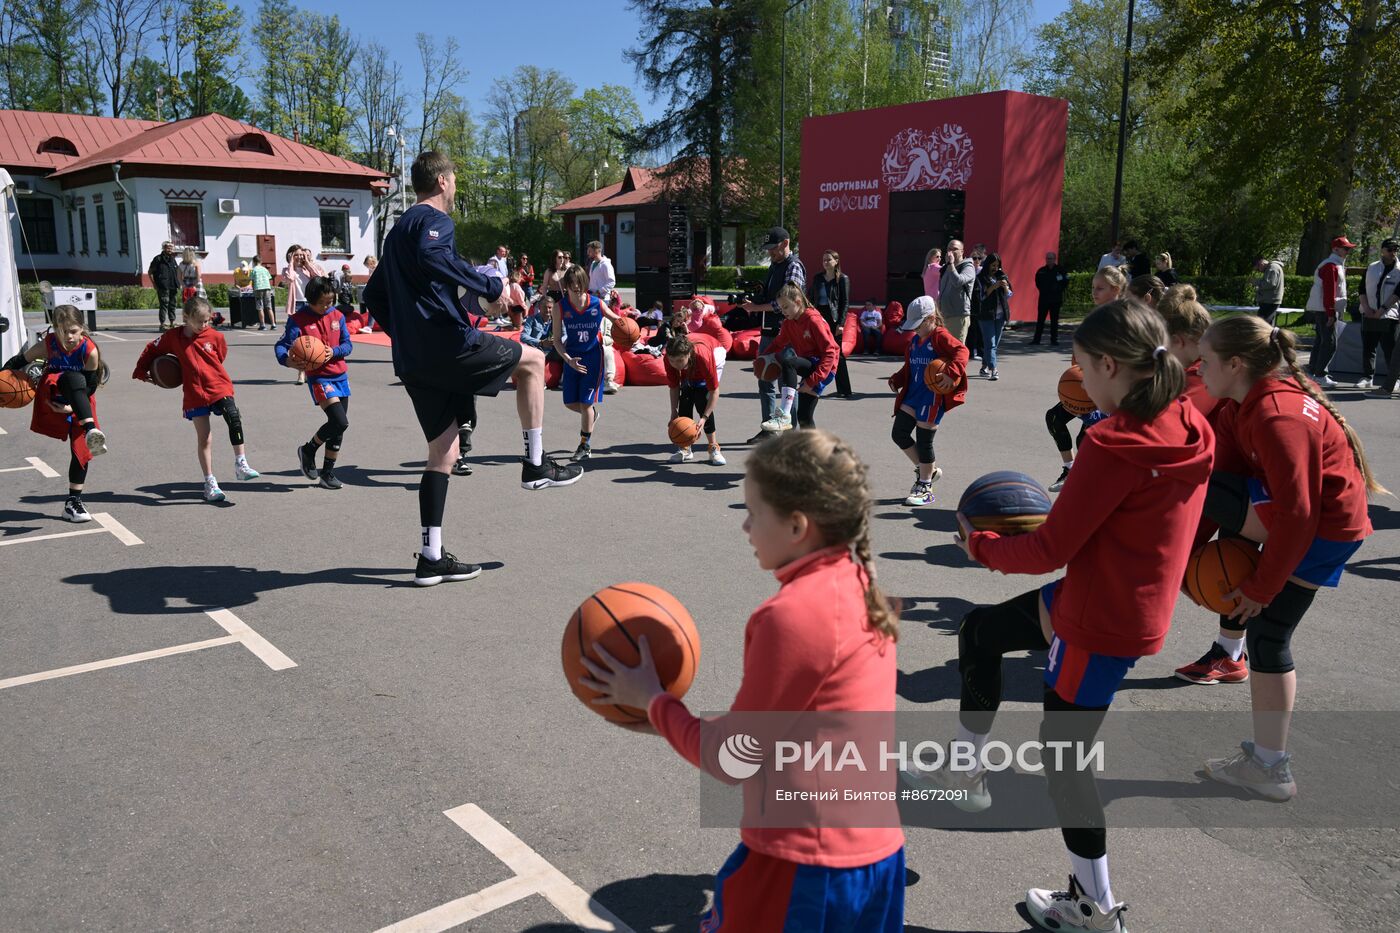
[
  {"x": 650, "y": 902},
  {"x": 170, "y": 589}
]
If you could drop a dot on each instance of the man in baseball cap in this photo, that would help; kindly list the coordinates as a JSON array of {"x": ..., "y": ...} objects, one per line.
[{"x": 784, "y": 268}]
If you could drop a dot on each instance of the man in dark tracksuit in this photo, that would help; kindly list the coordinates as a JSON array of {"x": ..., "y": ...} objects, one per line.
[{"x": 165, "y": 276}]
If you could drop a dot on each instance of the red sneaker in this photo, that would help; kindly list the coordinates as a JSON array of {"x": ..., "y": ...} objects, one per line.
[{"x": 1215, "y": 667}]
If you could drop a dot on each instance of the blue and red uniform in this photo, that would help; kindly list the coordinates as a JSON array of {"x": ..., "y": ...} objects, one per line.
[
  {"x": 583, "y": 339},
  {"x": 59, "y": 425},
  {"x": 929, "y": 407},
  {"x": 331, "y": 380}
]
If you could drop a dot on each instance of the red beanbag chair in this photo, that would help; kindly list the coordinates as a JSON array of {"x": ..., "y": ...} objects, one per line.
[
  {"x": 643, "y": 369},
  {"x": 619, "y": 365},
  {"x": 895, "y": 342},
  {"x": 894, "y": 315},
  {"x": 745, "y": 344},
  {"x": 850, "y": 333},
  {"x": 553, "y": 373}
]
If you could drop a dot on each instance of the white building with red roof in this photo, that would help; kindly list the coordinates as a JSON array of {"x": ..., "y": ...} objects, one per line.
[{"x": 98, "y": 196}]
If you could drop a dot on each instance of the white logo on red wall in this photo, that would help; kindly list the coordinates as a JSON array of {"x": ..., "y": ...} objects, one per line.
[{"x": 918, "y": 160}]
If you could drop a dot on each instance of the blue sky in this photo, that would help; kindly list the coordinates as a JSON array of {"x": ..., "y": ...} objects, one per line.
[{"x": 583, "y": 40}]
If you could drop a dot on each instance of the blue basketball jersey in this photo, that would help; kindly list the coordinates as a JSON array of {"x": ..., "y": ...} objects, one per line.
[
  {"x": 921, "y": 353},
  {"x": 582, "y": 328},
  {"x": 60, "y": 361}
]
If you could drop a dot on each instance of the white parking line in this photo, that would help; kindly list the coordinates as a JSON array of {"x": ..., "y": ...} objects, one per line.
[
  {"x": 106, "y": 524},
  {"x": 35, "y": 463},
  {"x": 533, "y": 875},
  {"x": 108, "y": 335},
  {"x": 3, "y": 431},
  {"x": 238, "y": 633}
]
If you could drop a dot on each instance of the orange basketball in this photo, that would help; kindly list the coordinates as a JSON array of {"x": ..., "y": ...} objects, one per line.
[
  {"x": 932, "y": 371},
  {"x": 683, "y": 431},
  {"x": 308, "y": 354},
  {"x": 625, "y": 333},
  {"x": 16, "y": 391},
  {"x": 1216, "y": 569},
  {"x": 766, "y": 367},
  {"x": 616, "y": 617},
  {"x": 1072, "y": 394}
]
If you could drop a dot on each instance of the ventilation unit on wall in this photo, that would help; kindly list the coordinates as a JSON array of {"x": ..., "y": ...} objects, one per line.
[
  {"x": 626, "y": 227},
  {"x": 228, "y": 205},
  {"x": 606, "y": 228}
]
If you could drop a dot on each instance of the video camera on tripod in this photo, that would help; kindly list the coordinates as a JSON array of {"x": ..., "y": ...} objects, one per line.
[{"x": 745, "y": 291}]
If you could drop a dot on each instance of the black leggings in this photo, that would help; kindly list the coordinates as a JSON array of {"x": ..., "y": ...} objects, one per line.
[
  {"x": 1269, "y": 635},
  {"x": 906, "y": 433},
  {"x": 795, "y": 370},
  {"x": 692, "y": 399},
  {"x": 337, "y": 423},
  {"x": 1057, "y": 419},
  {"x": 76, "y": 389},
  {"x": 985, "y": 635}
]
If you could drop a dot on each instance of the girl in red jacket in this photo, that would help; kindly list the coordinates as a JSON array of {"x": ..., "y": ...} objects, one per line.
[
  {"x": 694, "y": 364},
  {"x": 1145, "y": 466},
  {"x": 917, "y": 408},
  {"x": 823, "y": 642},
  {"x": 808, "y": 354},
  {"x": 208, "y": 390},
  {"x": 1293, "y": 476}
]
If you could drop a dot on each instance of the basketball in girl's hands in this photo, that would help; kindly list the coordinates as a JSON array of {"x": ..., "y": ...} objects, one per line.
[
  {"x": 625, "y": 333},
  {"x": 616, "y": 617},
  {"x": 766, "y": 367},
  {"x": 1217, "y": 568},
  {"x": 1006, "y": 502},
  {"x": 308, "y": 353},
  {"x": 683, "y": 431},
  {"x": 1072, "y": 394},
  {"x": 932, "y": 371},
  {"x": 15, "y": 390},
  {"x": 166, "y": 372}
]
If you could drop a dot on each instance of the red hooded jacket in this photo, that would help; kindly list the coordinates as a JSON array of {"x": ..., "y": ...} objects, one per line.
[
  {"x": 1122, "y": 527},
  {"x": 1301, "y": 454},
  {"x": 809, "y": 335},
  {"x": 205, "y": 381},
  {"x": 952, "y": 352}
]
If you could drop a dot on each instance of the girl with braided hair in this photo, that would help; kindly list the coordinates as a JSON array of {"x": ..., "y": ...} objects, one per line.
[
  {"x": 1292, "y": 475},
  {"x": 823, "y": 643},
  {"x": 1144, "y": 466}
]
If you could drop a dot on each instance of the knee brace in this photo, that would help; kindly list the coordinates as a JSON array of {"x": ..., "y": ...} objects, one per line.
[
  {"x": 1268, "y": 636},
  {"x": 1227, "y": 501},
  {"x": 1056, "y": 419},
  {"x": 337, "y": 422},
  {"x": 924, "y": 441},
  {"x": 902, "y": 433},
  {"x": 234, "y": 420}
]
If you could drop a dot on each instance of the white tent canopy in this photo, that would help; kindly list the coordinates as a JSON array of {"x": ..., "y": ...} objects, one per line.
[{"x": 14, "y": 339}]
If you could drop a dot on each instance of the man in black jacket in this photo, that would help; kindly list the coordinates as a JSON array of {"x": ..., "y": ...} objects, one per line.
[
  {"x": 784, "y": 268},
  {"x": 165, "y": 275},
  {"x": 1051, "y": 280}
]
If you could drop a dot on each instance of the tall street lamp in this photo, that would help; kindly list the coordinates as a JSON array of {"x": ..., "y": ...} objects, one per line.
[
  {"x": 782, "y": 115},
  {"x": 1122, "y": 128}
]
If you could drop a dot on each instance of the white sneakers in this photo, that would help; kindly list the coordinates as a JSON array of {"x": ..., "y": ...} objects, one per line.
[
  {"x": 717, "y": 458},
  {"x": 779, "y": 422},
  {"x": 96, "y": 442},
  {"x": 212, "y": 492},
  {"x": 684, "y": 455},
  {"x": 243, "y": 472},
  {"x": 1072, "y": 910}
]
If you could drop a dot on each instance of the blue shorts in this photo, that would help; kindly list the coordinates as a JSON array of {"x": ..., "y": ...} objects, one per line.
[
  {"x": 822, "y": 386},
  {"x": 927, "y": 411},
  {"x": 1325, "y": 560},
  {"x": 331, "y": 387},
  {"x": 584, "y": 388},
  {"x": 204, "y": 411},
  {"x": 754, "y": 891},
  {"x": 1078, "y": 676}
]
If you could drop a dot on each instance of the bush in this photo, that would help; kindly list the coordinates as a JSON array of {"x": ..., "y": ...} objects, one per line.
[
  {"x": 1212, "y": 289},
  {"x": 722, "y": 278},
  {"x": 136, "y": 298}
]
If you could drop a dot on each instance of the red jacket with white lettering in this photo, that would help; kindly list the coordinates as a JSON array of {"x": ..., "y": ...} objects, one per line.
[
  {"x": 1121, "y": 527},
  {"x": 809, "y": 335},
  {"x": 1301, "y": 454},
  {"x": 808, "y": 648},
  {"x": 201, "y": 357}
]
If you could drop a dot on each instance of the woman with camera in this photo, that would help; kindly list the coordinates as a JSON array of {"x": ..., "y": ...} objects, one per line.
[{"x": 991, "y": 304}]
